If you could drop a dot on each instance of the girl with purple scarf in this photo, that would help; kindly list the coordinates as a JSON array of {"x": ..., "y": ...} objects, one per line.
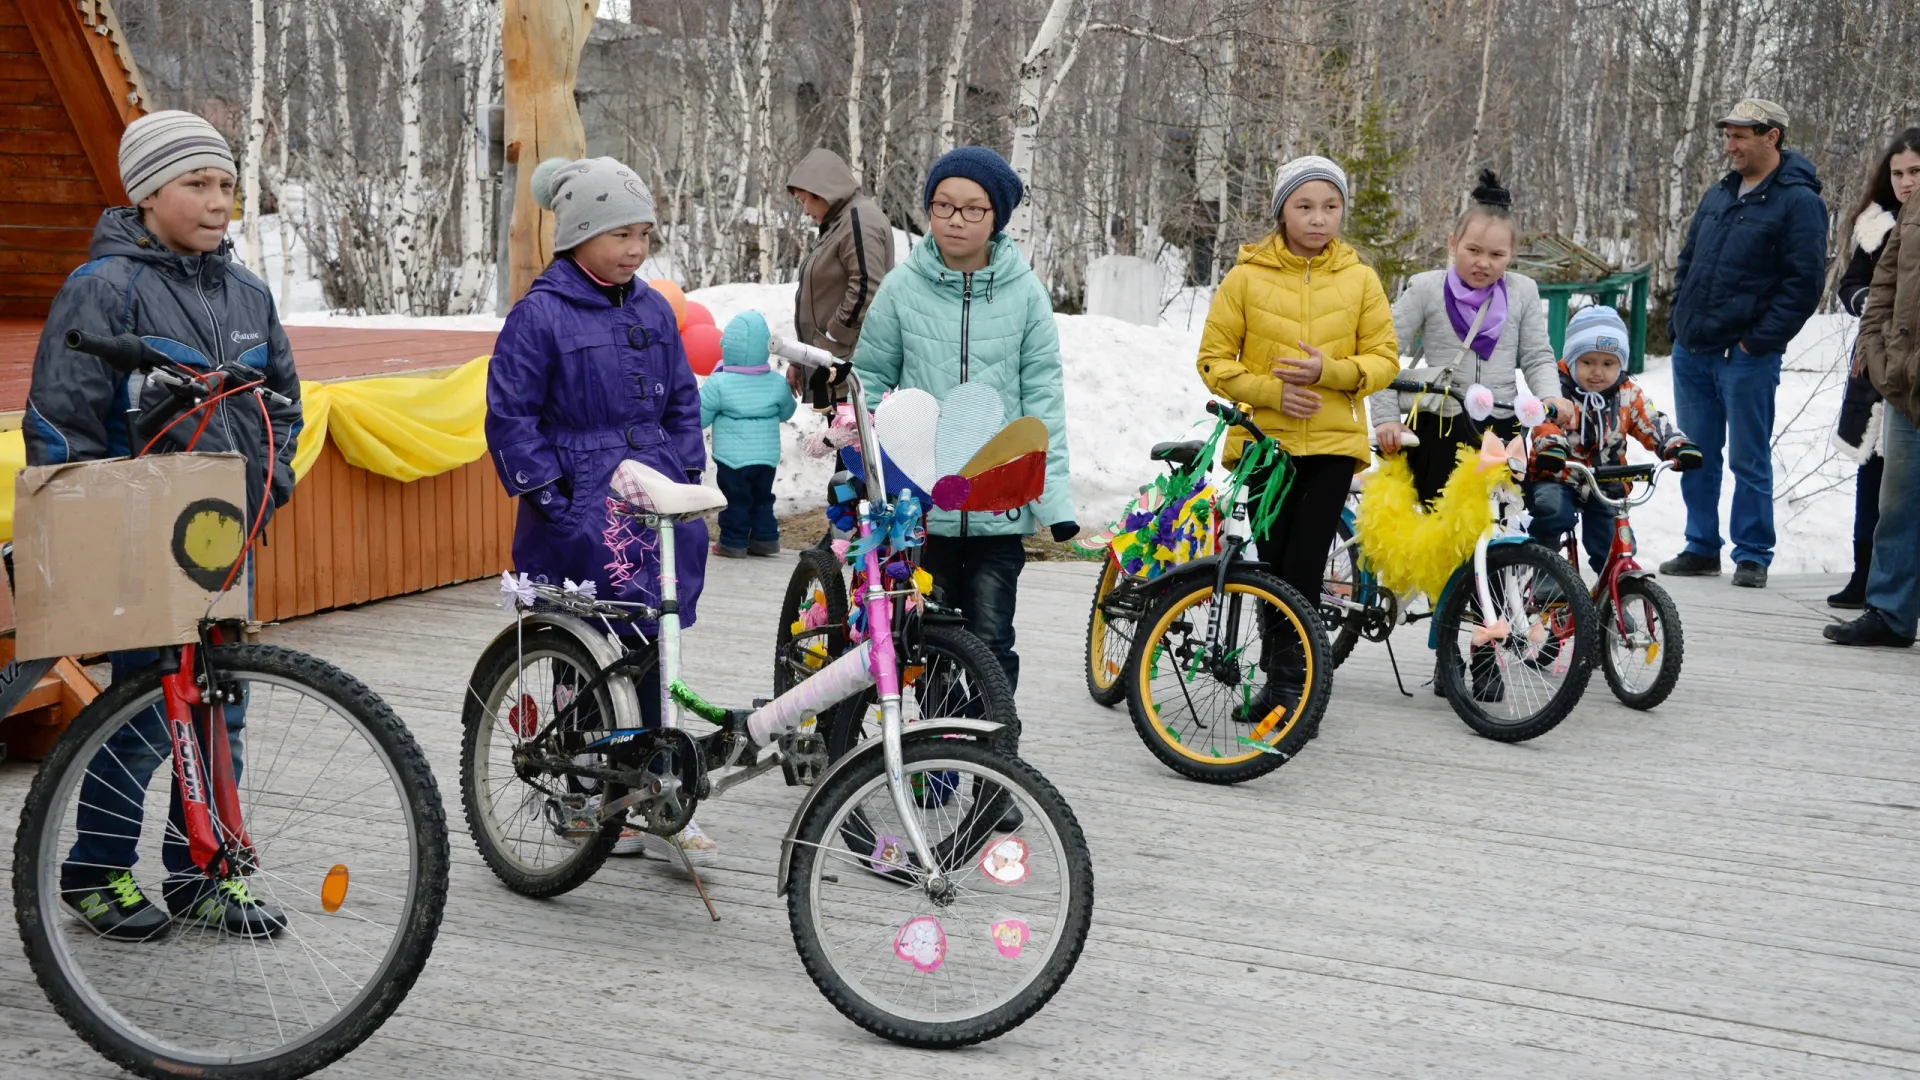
[{"x": 1476, "y": 322}]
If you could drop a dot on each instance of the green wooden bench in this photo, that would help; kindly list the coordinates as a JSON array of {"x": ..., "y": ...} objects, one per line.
[{"x": 1634, "y": 283}]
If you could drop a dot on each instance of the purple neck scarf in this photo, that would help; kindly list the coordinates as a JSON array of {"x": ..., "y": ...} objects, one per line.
[{"x": 1464, "y": 303}]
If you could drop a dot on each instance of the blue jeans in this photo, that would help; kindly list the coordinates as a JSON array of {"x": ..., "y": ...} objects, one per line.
[
  {"x": 1724, "y": 402},
  {"x": 749, "y": 511},
  {"x": 113, "y": 794},
  {"x": 981, "y": 576},
  {"x": 1893, "y": 588},
  {"x": 1555, "y": 509}
]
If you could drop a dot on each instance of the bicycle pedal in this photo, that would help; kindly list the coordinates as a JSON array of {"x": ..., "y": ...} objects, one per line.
[{"x": 803, "y": 757}]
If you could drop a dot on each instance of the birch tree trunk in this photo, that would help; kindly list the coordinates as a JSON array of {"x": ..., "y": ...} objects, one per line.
[
  {"x": 477, "y": 52},
  {"x": 1673, "y": 219},
  {"x": 256, "y": 138},
  {"x": 283, "y": 34},
  {"x": 763, "y": 121},
  {"x": 956, "y": 66},
  {"x": 408, "y": 251},
  {"x": 1039, "y": 78},
  {"x": 1480, "y": 107},
  {"x": 856, "y": 83}
]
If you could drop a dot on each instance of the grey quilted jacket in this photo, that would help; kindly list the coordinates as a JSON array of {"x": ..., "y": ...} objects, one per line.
[{"x": 1426, "y": 335}]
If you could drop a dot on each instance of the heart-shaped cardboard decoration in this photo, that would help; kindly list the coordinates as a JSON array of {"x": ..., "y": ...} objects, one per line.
[
  {"x": 1005, "y": 861},
  {"x": 1010, "y": 936}
]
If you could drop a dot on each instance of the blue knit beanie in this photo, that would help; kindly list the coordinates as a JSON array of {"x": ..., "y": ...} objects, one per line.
[
  {"x": 744, "y": 342},
  {"x": 1598, "y": 328},
  {"x": 983, "y": 167}
]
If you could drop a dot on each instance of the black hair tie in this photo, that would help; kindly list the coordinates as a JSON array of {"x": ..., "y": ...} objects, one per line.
[{"x": 1490, "y": 193}]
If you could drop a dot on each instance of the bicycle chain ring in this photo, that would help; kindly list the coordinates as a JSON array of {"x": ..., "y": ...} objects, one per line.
[{"x": 1379, "y": 619}]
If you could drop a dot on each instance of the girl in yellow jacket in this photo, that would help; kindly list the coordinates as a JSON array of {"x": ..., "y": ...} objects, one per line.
[{"x": 1301, "y": 330}]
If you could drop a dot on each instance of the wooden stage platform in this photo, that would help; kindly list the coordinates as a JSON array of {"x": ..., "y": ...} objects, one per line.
[{"x": 321, "y": 353}]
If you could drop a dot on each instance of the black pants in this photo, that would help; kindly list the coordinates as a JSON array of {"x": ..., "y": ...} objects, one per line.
[
  {"x": 981, "y": 576},
  {"x": 1440, "y": 442},
  {"x": 1296, "y": 547},
  {"x": 748, "y": 514},
  {"x": 1866, "y": 500}
]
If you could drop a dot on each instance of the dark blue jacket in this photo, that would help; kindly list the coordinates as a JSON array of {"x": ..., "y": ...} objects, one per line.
[
  {"x": 1754, "y": 265},
  {"x": 194, "y": 309}
]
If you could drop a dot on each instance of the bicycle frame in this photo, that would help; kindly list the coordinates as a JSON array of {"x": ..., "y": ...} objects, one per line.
[
  {"x": 874, "y": 663},
  {"x": 1620, "y": 563}
]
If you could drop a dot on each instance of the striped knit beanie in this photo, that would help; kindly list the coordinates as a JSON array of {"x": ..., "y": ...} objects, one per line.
[
  {"x": 161, "y": 146},
  {"x": 1598, "y": 328},
  {"x": 1303, "y": 170}
]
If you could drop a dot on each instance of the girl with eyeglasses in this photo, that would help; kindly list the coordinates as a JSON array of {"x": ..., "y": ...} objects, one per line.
[{"x": 966, "y": 307}]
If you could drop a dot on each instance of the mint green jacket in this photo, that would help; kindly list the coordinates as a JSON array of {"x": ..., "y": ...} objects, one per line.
[{"x": 935, "y": 328}]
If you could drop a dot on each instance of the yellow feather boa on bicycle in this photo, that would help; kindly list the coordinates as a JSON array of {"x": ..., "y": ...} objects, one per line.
[{"x": 1411, "y": 550}]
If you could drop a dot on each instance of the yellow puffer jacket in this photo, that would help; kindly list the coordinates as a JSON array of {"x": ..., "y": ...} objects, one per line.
[{"x": 1269, "y": 303}]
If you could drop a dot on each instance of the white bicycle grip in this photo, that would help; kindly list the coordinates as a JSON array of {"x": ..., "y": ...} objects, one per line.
[{"x": 800, "y": 353}]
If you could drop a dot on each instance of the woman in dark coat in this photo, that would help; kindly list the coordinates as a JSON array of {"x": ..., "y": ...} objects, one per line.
[
  {"x": 1894, "y": 178},
  {"x": 588, "y": 372}
]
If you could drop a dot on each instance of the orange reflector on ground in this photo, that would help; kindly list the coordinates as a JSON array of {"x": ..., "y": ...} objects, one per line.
[{"x": 333, "y": 891}]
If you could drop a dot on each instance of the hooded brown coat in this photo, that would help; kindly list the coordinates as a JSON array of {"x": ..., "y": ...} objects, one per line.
[
  {"x": 1890, "y": 327},
  {"x": 842, "y": 271}
]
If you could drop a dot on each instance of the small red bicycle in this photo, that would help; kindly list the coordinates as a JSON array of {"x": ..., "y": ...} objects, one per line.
[
  {"x": 264, "y": 912},
  {"x": 1644, "y": 645}
]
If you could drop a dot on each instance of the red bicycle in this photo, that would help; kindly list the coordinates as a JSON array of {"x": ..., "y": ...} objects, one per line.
[
  {"x": 292, "y": 894},
  {"x": 1644, "y": 644}
]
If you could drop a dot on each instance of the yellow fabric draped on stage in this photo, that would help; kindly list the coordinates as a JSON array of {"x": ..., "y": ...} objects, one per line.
[{"x": 404, "y": 427}]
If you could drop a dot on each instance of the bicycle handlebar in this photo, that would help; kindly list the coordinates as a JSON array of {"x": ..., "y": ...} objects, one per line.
[
  {"x": 1240, "y": 419},
  {"x": 1591, "y": 478},
  {"x": 125, "y": 353},
  {"x": 800, "y": 353}
]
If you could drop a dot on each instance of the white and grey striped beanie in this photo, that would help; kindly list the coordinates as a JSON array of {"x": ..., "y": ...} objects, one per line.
[
  {"x": 589, "y": 197},
  {"x": 161, "y": 146},
  {"x": 1302, "y": 170}
]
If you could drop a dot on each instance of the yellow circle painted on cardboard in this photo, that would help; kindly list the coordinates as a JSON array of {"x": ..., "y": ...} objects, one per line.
[{"x": 213, "y": 539}]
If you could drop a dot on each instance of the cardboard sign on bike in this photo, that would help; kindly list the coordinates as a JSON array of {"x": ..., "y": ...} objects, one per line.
[{"x": 126, "y": 553}]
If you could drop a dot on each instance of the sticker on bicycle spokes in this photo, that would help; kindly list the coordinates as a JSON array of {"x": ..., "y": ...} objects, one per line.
[
  {"x": 922, "y": 943},
  {"x": 889, "y": 854},
  {"x": 1005, "y": 861},
  {"x": 1010, "y": 936}
]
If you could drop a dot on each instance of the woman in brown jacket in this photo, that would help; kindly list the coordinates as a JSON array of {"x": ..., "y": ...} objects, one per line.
[
  {"x": 1890, "y": 354},
  {"x": 842, "y": 270}
]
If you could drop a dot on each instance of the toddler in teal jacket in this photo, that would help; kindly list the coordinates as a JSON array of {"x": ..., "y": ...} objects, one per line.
[{"x": 744, "y": 403}]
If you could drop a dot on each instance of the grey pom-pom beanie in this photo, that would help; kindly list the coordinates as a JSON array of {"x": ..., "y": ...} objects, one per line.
[{"x": 589, "y": 197}]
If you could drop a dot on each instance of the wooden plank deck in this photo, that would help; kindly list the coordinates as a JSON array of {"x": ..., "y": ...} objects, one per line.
[
  {"x": 322, "y": 353},
  {"x": 1728, "y": 886}
]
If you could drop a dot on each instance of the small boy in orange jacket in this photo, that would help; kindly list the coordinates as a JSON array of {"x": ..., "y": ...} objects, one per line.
[{"x": 1612, "y": 407}]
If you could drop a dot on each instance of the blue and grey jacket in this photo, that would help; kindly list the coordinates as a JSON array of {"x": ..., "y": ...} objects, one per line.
[{"x": 201, "y": 311}]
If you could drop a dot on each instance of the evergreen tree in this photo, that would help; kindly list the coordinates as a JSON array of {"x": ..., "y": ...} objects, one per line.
[{"x": 1374, "y": 223}]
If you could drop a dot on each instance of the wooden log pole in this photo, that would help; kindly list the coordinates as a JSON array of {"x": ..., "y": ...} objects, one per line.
[{"x": 540, "y": 46}]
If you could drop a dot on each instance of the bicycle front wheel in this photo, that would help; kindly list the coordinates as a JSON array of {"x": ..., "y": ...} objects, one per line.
[
  {"x": 1644, "y": 644},
  {"x": 1109, "y": 640},
  {"x": 954, "y": 965},
  {"x": 1519, "y": 685},
  {"x": 1229, "y": 708},
  {"x": 273, "y": 973}
]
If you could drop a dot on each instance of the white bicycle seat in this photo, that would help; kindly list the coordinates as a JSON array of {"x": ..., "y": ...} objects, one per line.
[{"x": 648, "y": 489}]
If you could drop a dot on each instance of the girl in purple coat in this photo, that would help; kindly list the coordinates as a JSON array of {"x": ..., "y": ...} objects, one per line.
[{"x": 589, "y": 372}]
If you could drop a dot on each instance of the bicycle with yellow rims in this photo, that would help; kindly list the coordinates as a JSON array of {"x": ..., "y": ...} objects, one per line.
[{"x": 1227, "y": 675}]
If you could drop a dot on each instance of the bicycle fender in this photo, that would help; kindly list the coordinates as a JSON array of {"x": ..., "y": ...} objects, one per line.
[
  {"x": 1464, "y": 572},
  {"x": 1209, "y": 566},
  {"x": 620, "y": 688},
  {"x": 925, "y": 729}
]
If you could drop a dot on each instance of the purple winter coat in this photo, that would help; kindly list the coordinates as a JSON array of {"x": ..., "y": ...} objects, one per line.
[{"x": 575, "y": 387}]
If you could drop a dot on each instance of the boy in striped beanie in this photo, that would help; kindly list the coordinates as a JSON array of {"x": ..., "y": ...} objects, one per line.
[{"x": 179, "y": 171}]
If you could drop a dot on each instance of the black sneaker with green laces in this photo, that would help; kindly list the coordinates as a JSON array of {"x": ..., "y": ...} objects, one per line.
[
  {"x": 227, "y": 905},
  {"x": 111, "y": 903}
]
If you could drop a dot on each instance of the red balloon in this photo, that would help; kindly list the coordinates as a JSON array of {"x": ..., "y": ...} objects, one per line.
[
  {"x": 702, "y": 343},
  {"x": 697, "y": 315}
]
